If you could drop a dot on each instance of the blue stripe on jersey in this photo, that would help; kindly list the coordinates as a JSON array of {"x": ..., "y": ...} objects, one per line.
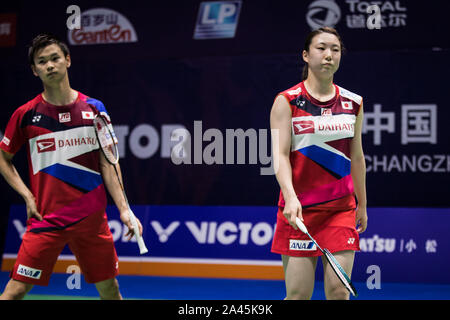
[
  {"x": 328, "y": 159},
  {"x": 82, "y": 179},
  {"x": 97, "y": 103}
]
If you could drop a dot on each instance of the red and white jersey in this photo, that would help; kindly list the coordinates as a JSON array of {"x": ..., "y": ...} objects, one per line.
[
  {"x": 63, "y": 159},
  {"x": 320, "y": 147}
]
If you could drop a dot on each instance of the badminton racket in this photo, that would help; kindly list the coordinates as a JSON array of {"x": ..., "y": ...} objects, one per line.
[
  {"x": 345, "y": 279},
  {"x": 105, "y": 137}
]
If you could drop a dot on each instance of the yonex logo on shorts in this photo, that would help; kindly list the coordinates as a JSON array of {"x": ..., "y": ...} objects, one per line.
[
  {"x": 29, "y": 272},
  {"x": 302, "y": 245}
]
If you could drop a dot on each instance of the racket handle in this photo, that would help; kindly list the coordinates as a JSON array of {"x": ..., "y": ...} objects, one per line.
[
  {"x": 300, "y": 225},
  {"x": 140, "y": 241}
]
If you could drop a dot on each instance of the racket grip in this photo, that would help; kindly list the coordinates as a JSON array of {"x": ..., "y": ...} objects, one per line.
[
  {"x": 140, "y": 241},
  {"x": 300, "y": 225}
]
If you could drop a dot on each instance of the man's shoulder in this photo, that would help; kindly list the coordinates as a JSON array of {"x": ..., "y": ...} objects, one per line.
[{"x": 92, "y": 101}]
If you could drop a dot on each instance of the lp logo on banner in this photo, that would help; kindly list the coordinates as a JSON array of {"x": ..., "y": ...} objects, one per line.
[{"x": 217, "y": 19}]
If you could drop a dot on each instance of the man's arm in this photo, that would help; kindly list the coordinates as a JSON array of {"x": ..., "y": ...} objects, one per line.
[
  {"x": 9, "y": 172},
  {"x": 115, "y": 190}
]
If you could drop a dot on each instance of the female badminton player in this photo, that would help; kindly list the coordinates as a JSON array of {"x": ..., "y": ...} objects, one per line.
[
  {"x": 321, "y": 170},
  {"x": 66, "y": 201}
]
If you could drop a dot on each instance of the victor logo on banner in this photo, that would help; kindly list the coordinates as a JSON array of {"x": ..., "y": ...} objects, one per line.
[{"x": 102, "y": 26}]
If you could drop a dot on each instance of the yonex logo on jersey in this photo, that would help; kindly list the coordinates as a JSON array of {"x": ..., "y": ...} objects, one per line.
[
  {"x": 36, "y": 118},
  {"x": 46, "y": 145},
  {"x": 303, "y": 127},
  {"x": 347, "y": 105},
  {"x": 302, "y": 245},
  {"x": 29, "y": 272},
  {"x": 64, "y": 117}
]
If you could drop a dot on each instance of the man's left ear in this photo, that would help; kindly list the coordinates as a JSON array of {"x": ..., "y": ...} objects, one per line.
[
  {"x": 69, "y": 62},
  {"x": 33, "y": 69}
]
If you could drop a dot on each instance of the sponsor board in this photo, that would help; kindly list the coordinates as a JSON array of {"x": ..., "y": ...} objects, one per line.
[
  {"x": 102, "y": 26},
  {"x": 217, "y": 19},
  {"x": 356, "y": 14},
  {"x": 234, "y": 242}
]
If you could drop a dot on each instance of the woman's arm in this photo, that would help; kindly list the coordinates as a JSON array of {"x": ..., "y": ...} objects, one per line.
[
  {"x": 358, "y": 171},
  {"x": 280, "y": 124}
]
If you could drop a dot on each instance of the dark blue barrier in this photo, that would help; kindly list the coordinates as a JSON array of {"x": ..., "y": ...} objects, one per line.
[{"x": 404, "y": 245}]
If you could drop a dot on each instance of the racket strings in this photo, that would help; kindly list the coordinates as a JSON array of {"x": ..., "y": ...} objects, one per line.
[{"x": 106, "y": 140}]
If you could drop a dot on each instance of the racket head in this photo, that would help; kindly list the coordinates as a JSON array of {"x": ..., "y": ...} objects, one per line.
[
  {"x": 337, "y": 268},
  {"x": 105, "y": 137}
]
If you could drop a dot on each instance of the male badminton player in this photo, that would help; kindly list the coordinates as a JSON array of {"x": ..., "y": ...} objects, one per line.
[
  {"x": 321, "y": 169},
  {"x": 66, "y": 200}
]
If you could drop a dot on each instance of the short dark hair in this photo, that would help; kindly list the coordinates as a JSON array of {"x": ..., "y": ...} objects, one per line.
[
  {"x": 308, "y": 41},
  {"x": 43, "y": 40}
]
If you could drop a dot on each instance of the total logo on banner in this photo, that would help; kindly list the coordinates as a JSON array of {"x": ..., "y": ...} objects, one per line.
[
  {"x": 102, "y": 26},
  {"x": 217, "y": 19},
  {"x": 392, "y": 14}
]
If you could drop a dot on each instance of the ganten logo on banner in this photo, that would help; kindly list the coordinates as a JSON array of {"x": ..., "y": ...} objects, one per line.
[
  {"x": 217, "y": 19},
  {"x": 102, "y": 26}
]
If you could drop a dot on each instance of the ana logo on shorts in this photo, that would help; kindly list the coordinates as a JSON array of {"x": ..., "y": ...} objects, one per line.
[
  {"x": 29, "y": 272},
  {"x": 302, "y": 245}
]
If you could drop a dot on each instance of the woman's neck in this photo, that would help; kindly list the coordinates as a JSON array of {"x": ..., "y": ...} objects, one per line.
[{"x": 322, "y": 90}]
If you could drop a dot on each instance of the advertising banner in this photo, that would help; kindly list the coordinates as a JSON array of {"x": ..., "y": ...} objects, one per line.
[{"x": 400, "y": 244}]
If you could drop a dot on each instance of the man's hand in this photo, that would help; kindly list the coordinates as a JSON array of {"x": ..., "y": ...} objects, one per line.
[
  {"x": 125, "y": 217},
  {"x": 32, "y": 211}
]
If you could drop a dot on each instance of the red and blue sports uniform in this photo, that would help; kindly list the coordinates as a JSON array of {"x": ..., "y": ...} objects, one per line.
[
  {"x": 65, "y": 179},
  {"x": 321, "y": 173}
]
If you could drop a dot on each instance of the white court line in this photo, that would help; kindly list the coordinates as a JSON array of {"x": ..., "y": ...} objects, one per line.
[{"x": 177, "y": 260}]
